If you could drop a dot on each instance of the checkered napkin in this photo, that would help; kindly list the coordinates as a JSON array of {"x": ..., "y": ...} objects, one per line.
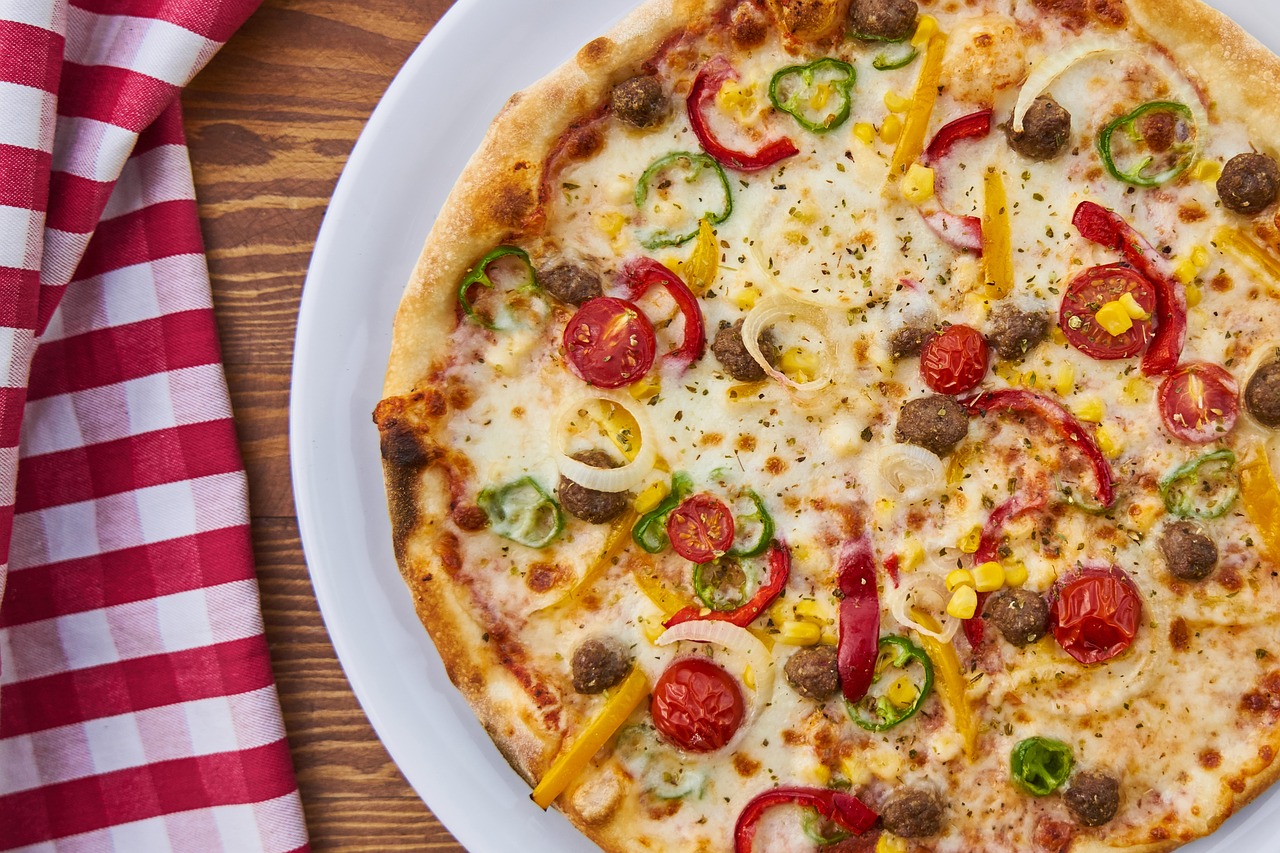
[{"x": 137, "y": 706}]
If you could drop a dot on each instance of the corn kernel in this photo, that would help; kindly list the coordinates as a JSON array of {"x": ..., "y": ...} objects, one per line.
[
  {"x": 1207, "y": 171},
  {"x": 1143, "y": 515},
  {"x": 795, "y": 633},
  {"x": 963, "y": 603},
  {"x": 653, "y": 630},
  {"x": 611, "y": 224},
  {"x": 819, "y": 774},
  {"x": 1110, "y": 444},
  {"x": 821, "y": 96},
  {"x": 763, "y": 636},
  {"x": 737, "y": 98},
  {"x": 1138, "y": 390},
  {"x": 830, "y": 637},
  {"x": 1135, "y": 310},
  {"x": 958, "y": 578},
  {"x": 917, "y": 186},
  {"x": 799, "y": 365},
  {"x": 645, "y": 389},
  {"x": 1194, "y": 296},
  {"x": 912, "y": 555},
  {"x": 1016, "y": 574},
  {"x": 1091, "y": 410},
  {"x": 1114, "y": 319},
  {"x": 1200, "y": 256},
  {"x": 903, "y": 692},
  {"x": 971, "y": 540},
  {"x": 926, "y": 29},
  {"x": 895, "y": 103},
  {"x": 649, "y": 499},
  {"x": 1185, "y": 271},
  {"x": 891, "y": 129},
  {"x": 1057, "y": 335},
  {"x": 887, "y": 843},
  {"x": 1065, "y": 380},
  {"x": 865, "y": 131},
  {"x": 988, "y": 577},
  {"x": 807, "y": 608}
]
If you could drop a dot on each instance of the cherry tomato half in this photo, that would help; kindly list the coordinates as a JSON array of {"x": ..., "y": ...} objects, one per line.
[
  {"x": 1200, "y": 403},
  {"x": 1096, "y": 614},
  {"x": 1087, "y": 293},
  {"x": 697, "y": 705},
  {"x": 955, "y": 361},
  {"x": 701, "y": 529},
  {"x": 610, "y": 342}
]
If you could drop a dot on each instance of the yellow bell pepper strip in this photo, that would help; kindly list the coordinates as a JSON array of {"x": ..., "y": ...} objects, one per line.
[
  {"x": 570, "y": 764},
  {"x": 700, "y": 271},
  {"x": 951, "y": 683},
  {"x": 1250, "y": 251},
  {"x": 911, "y": 143},
  {"x": 659, "y": 593},
  {"x": 997, "y": 236},
  {"x": 619, "y": 536},
  {"x": 1261, "y": 496}
]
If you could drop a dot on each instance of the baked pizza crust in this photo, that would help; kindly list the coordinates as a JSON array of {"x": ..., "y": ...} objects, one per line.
[{"x": 497, "y": 196}]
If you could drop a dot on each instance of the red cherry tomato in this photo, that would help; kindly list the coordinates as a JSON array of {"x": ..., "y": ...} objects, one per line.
[
  {"x": 1200, "y": 403},
  {"x": 1088, "y": 292},
  {"x": 955, "y": 361},
  {"x": 701, "y": 529},
  {"x": 610, "y": 342},
  {"x": 1096, "y": 614},
  {"x": 697, "y": 705}
]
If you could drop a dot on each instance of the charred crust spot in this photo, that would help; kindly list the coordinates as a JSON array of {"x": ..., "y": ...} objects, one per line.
[
  {"x": 1231, "y": 580},
  {"x": 1266, "y": 754},
  {"x": 512, "y": 205},
  {"x": 434, "y": 403},
  {"x": 1179, "y": 635},
  {"x": 595, "y": 52},
  {"x": 401, "y": 446},
  {"x": 1210, "y": 759},
  {"x": 470, "y": 517},
  {"x": 745, "y": 765},
  {"x": 461, "y": 397},
  {"x": 1237, "y": 785}
]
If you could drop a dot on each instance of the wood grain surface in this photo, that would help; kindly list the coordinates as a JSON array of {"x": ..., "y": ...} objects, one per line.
[{"x": 271, "y": 122}]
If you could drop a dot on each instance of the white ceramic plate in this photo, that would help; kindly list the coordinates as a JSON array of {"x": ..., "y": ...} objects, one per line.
[{"x": 431, "y": 119}]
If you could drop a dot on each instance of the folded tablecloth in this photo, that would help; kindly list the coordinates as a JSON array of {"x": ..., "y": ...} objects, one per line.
[{"x": 137, "y": 706}]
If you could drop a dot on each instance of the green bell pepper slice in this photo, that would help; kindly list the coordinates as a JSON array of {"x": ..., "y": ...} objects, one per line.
[
  {"x": 1206, "y": 487},
  {"x": 725, "y": 584},
  {"x": 696, "y": 164},
  {"x": 522, "y": 512},
  {"x": 1039, "y": 765},
  {"x": 759, "y": 526},
  {"x": 881, "y": 710},
  {"x": 891, "y": 60},
  {"x": 1184, "y": 150},
  {"x": 797, "y": 101},
  {"x": 650, "y": 532},
  {"x": 479, "y": 275}
]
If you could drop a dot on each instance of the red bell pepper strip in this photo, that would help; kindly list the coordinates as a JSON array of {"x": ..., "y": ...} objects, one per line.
[
  {"x": 779, "y": 558},
  {"x": 706, "y": 85},
  {"x": 1063, "y": 423},
  {"x": 989, "y": 551},
  {"x": 641, "y": 274},
  {"x": 844, "y": 810},
  {"x": 963, "y": 232},
  {"x": 974, "y": 126},
  {"x": 1104, "y": 227},
  {"x": 859, "y": 642}
]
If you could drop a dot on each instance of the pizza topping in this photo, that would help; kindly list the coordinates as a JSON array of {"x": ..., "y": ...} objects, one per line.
[
  {"x": 819, "y": 95},
  {"x": 1262, "y": 393},
  {"x": 571, "y": 283},
  {"x": 937, "y": 423},
  {"x": 1205, "y": 487},
  {"x": 901, "y": 681},
  {"x": 522, "y": 512},
  {"x": 696, "y": 705},
  {"x": 909, "y": 473},
  {"x": 650, "y": 532},
  {"x": 1040, "y": 766},
  {"x": 1261, "y": 497},
  {"x": 1249, "y": 183},
  {"x": 609, "y": 342},
  {"x": 748, "y": 26},
  {"x": 895, "y": 55},
  {"x": 923, "y": 99},
  {"x": 1046, "y": 130},
  {"x": 1094, "y": 798},
  {"x": 689, "y": 188},
  {"x": 1200, "y": 403},
  {"x": 700, "y": 528},
  {"x": 1083, "y": 322},
  {"x": 1021, "y": 615},
  {"x": 913, "y": 813},
  {"x": 591, "y": 505},
  {"x": 988, "y": 552},
  {"x": 844, "y": 810},
  {"x": 808, "y": 321},
  {"x": 1096, "y": 613},
  {"x": 724, "y": 584},
  {"x": 623, "y": 425},
  {"x": 973, "y": 126},
  {"x": 963, "y": 232},
  {"x": 737, "y": 361},
  {"x": 1152, "y": 145},
  {"x": 640, "y": 101},
  {"x": 814, "y": 672},
  {"x": 859, "y": 639},
  {"x": 778, "y": 560},
  {"x": 639, "y": 276},
  {"x": 908, "y": 341},
  {"x": 516, "y": 274},
  {"x": 702, "y": 96},
  {"x": 1014, "y": 333},
  {"x": 754, "y": 526},
  {"x": 1188, "y": 551},
  {"x": 883, "y": 20},
  {"x": 599, "y": 664},
  {"x": 954, "y": 361}
]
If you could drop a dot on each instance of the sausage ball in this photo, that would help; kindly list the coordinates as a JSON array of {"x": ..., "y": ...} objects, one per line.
[
  {"x": 591, "y": 505},
  {"x": 1249, "y": 183}
]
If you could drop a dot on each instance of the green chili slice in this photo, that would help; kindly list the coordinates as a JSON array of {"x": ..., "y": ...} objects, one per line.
[
  {"x": 1206, "y": 487},
  {"x": 803, "y": 92},
  {"x": 755, "y": 529},
  {"x": 902, "y": 680},
  {"x": 479, "y": 274},
  {"x": 522, "y": 512},
  {"x": 821, "y": 831},
  {"x": 694, "y": 166},
  {"x": 650, "y": 532},
  {"x": 902, "y": 55},
  {"x": 725, "y": 584},
  {"x": 1146, "y": 154},
  {"x": 1039, "y": 766}
]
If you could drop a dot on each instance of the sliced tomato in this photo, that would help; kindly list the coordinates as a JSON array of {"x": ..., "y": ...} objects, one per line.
[
  {"x": 955, "y": 361},
  {"x": 701, "y": 528},
  {"x": 1200, "y": 403},
  {"x": 697, "y": 705},
  {"x": 1096, "y": 614},
  {"x": 1087, "y": 293},
  {"x": 610, "y": 342}
]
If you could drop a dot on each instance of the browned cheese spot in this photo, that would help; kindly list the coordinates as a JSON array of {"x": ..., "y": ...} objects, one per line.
[
  {"x": 711, "y": 439},
  {"x": 1192, "y": 212},
  {"x": 1210, "y": 759},
  {"x": 1221, "y": 282},
  {"x": 774, "y": 465},
  {"x": 450, "y": 553},
  {"x": 544, "y": 577},
  {"x": 746, "y": 443},
  {"x": 470, "y": 517},
  {"x": 1179, "y": 635},
  {"x": 745, "y": 765}
]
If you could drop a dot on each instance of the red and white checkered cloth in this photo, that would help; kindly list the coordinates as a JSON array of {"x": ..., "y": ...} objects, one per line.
[{"x": 137, "y": 706}]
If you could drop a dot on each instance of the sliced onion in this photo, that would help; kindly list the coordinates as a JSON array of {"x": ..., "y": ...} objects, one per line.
[
  {"x": 908, "y": 472},
  {"x": 775, "y": 309},
  {"x": 742, "y": 644},
  {"x": 929, "y": 592},
  {"x": 605, "y": 479}
]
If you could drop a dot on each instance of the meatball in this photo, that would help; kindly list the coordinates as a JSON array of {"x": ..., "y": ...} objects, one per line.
[
  {"x": 589, "y": 504},
  {"x": 571, "y": 283},
  {"x": 1262, "y": 394},
  {"x": 640, "y": 101},
  {"x": 1188, "y": 551},
  {"x": 731, "y": 352},
  {"x": 1249, "y": 183},
  {"x": 908, "y": 341},
  {"x": 1094, "y": 798},
  {"x": 883, "y": 20},
  {"x": 1020, "y": 614},
  {"x": 1046, "y": 130},
  {"x": 1015, "y": 333},
  {"x": 599, "y": 664},
  {"x": 812, "y": 672},
  {"x": 913, "y": 813},
  {"x": 936, "y": 423}
]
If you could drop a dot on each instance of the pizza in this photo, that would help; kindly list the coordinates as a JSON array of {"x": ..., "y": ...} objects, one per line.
[{"x": 817, "y": 424}]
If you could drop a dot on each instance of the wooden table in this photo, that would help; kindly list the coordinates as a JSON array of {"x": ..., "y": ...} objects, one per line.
[{"x": 271, "y": 122}]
